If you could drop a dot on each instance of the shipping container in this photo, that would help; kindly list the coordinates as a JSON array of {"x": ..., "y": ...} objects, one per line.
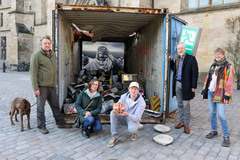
[{"x": 148, "y": 35}]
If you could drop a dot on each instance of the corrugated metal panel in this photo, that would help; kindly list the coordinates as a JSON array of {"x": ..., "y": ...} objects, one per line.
[
  {"x": 108, "y": 23},
  {"x": 86, "y": 2},
  {"x": 145, "y": 57}
]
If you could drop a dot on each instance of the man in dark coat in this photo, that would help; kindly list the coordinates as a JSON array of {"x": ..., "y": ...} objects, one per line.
[{"x": 185, "y": 76}]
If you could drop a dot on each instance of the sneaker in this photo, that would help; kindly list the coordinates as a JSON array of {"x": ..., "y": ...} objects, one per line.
[
  {"x": 134, "y": 136},
  {"x": 64, "y": 125},
  {"x": 112, "y": 142},
  {"x": 140, "y": 126},
  {"x": 43, "y": 130},
  {"x": 212, "y": 134},
  {"x": 226, "y": 142}
]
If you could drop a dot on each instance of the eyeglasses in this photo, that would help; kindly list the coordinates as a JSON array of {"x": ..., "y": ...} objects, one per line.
[
  {"x": 218, "y": 55},
  {"x": 180, "y": 47}
]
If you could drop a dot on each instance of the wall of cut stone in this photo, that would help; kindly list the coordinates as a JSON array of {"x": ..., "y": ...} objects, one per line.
[
  {"x": 5, "y": 4},
  {"x": 25, "y": 46},
  {"x": 214, "y": 33},
  {"x": 41, "y": 29},
  {"x": 213, "y": 24},
  {"x": 130, "y": 3},
  {"x": 172, "y": 5}
]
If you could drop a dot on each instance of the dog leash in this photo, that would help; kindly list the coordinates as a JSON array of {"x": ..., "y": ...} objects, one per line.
[{"x": 34, "y": 104}]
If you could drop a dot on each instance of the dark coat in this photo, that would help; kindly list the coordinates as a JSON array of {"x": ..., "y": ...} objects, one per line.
[
  {"x": 83, "y": 101},
  {"x": 189, "y": 76}
]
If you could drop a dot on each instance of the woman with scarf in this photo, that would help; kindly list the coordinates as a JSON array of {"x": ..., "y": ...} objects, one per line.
[
  {"x": 89, "y": 105},
  {"x": 218, "y": 89}
]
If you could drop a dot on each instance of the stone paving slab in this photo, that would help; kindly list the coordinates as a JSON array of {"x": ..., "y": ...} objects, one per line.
[{"x": 69, "y": 144}]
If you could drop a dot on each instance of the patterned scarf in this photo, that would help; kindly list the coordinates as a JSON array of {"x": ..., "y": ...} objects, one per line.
[{"x": 216, "y": 65}]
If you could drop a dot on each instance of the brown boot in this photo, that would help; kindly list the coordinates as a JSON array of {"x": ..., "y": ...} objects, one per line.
[
  {"x": 186, "y": 129},
  {"x": 180, "y": 125}
]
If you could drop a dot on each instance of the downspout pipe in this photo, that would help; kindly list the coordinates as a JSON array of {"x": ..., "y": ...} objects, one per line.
[
  {"x": 152, "y": 3},
  {"x": 53, "y": 31}
]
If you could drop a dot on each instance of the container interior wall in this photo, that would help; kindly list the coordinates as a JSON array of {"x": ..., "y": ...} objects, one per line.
[
  {"x": 144, "y": 57},
  {"x": 68, "y": 58}
]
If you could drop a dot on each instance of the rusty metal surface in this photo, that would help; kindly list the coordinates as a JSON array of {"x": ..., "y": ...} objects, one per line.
[
  {"x": 109, "y": 23},
  {"x": 112, "y": 9}
]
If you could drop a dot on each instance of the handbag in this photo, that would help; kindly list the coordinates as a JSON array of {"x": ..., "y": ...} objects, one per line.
[{"x": 77, "y": 123}]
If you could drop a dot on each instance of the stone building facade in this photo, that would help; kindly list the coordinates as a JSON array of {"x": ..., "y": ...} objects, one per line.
[{"x": 23, "y": 24}]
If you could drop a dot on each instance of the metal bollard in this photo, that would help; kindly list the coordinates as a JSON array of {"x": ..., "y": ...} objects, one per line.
[{"x": 4, "y": 66}]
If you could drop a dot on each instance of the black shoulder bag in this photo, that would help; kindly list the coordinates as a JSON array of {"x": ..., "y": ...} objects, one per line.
[{"x": 77, "y": 123}]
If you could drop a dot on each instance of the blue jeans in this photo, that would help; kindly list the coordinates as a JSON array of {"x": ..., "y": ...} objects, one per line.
[
  {"x": 117, "y": 120},
  {"x": 94, "y": 123},
  {"x": 220, "y": 109}
]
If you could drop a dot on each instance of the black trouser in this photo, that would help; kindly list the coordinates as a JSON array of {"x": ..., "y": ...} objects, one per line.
[{"x": 49, "y": 94}]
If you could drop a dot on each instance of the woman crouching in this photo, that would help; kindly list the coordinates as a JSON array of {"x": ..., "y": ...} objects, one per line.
[{"x": 89, "y": 105}]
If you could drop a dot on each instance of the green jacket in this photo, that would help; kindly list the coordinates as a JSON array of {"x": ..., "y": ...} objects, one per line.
[
  {"x": 82, "y": 102},
  {"x": 43, "y": 70}
]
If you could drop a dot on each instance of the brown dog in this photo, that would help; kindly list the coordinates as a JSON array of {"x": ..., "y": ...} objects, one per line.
[{"x": 22, "y": 106}]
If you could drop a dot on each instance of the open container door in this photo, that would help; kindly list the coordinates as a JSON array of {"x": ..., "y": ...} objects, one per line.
[{"x": 175, "y": 28}]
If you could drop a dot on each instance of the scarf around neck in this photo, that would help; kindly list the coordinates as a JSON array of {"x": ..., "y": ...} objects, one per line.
[
  {"x": 91, "y": 95},
  {"x": 217, "y": 65},
  {"x": 220, "y": 62}
]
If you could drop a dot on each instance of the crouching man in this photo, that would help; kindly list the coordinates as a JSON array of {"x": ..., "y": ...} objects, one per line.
[{"x": 134, "y": 108}]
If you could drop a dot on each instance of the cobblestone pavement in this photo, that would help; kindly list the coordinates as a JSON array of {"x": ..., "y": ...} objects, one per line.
[{"x": 66, "y": 144}]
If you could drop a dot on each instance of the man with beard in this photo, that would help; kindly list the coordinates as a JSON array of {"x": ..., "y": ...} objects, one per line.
[{"x": 185, "y": 76}]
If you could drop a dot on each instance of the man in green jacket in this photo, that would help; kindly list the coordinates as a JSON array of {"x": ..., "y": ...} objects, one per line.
[{"x": 43, "y": 75}]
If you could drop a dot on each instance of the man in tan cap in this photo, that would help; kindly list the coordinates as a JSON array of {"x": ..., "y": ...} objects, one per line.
[{"x": 134, "y": 108}]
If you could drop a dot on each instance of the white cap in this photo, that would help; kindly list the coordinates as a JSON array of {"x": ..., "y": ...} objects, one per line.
[{"x": 134, "y": 84}]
